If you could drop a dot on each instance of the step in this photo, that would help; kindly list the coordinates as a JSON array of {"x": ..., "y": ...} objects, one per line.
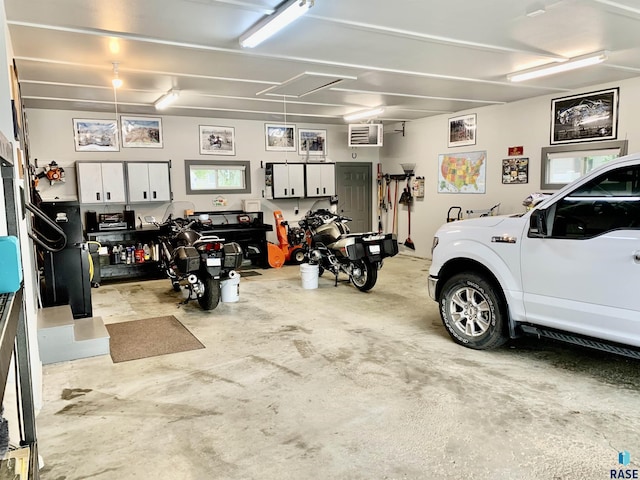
[{"x": 61, "y": 338}]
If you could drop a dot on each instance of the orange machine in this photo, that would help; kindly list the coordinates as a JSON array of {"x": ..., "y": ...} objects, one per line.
[{"x": 290, "y": 239}]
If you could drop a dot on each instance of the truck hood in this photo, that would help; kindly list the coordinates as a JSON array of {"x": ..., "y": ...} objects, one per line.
[{"x": 482, "y": 222}]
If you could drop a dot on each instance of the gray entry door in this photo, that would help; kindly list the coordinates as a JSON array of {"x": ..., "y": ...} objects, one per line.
[{"x": 353, "y": 182}]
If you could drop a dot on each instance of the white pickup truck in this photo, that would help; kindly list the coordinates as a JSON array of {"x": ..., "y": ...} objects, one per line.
[{"x": 569, "y": 269}]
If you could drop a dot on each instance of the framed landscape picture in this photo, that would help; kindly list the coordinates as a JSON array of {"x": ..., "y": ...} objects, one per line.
[
  {"x": 312, "y": 142},
  {"x": 586, "y": 117},
  {"x": 94, "y": 135},
  {"x": 280, "y": 138},
  {"x": 144, "y": 132},
  {"x": 217, "y": 140},
  {"x": 462, "y": 130}
]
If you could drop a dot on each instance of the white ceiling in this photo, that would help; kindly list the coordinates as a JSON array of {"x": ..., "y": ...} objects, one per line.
[{"x": 416, "y": 58}]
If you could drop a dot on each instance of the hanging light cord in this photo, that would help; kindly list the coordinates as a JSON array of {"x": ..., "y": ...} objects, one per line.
[
  {"x": 284, "y": 98},
  {"x": 115, "y": 101}
]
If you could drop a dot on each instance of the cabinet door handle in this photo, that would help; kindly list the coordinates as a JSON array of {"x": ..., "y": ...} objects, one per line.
[
  {"x": 317, "y": 191},
  {"x": 144, "y": 195},
  {"x": 285, "y": 192},
  {"x": 97, "y": 195},
  {"x": 108, "y": 195},
  {"x": 324, "y": 190},
  {"x": 293, "y": 191},
  {"x": 154, "y": 194}
]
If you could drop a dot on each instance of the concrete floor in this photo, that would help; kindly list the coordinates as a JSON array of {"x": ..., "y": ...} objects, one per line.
[{"x": 333, "y": 384}]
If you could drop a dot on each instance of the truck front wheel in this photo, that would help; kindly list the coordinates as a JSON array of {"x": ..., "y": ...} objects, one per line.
[{"x": 473, "y": 312}]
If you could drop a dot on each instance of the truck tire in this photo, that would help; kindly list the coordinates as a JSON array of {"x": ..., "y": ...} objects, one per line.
[
  {"x": 473, "y": 312},
  {"x": 211, "y": 296}
]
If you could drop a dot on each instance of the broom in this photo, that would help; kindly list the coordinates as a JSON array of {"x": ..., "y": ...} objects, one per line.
[
  {"x": 408, "y": 242},
  {"x": 408, "y": 200}
]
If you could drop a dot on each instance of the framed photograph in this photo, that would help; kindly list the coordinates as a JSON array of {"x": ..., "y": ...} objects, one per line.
[
  {"x": 93, "y": 135},
  {"x": 462, "y": 130},
  {"x": 312, "y": 142},
  {"x": 280, "y": 138},
  {"x": 217, "y": 140},
  {"x": 145, "y": 132},
  {"x": 462, "y": 172},
  {"x": 515, "y": 170},
  {"x": 586, "y": 117}
]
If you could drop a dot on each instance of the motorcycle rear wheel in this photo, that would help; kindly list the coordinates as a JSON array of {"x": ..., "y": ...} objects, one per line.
[
  {"x": 211, "y": 296},
  {"x": 368, "y": 276}
]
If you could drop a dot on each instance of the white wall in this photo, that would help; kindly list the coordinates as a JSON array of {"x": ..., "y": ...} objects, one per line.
[
  {"x": 51, "y": 138},
  {"x": 525, "y": 123}
]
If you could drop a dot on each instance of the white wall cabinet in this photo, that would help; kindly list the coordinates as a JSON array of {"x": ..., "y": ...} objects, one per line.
[
  {"x": 148, "y": 182},
  {"x": 288, "y": 180},
  {"x": 101, "y": 182},
  {"x": 321, "y": 179}
]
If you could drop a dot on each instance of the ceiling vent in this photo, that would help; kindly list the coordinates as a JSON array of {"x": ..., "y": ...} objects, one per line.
[{"x": 304, "y": 84}]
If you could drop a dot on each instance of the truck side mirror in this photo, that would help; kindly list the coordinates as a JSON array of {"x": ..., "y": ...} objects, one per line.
[{"x": 538, "y": 224}]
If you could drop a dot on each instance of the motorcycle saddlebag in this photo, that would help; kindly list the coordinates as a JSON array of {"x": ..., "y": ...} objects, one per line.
[
  {"x": 187, "y": 259},
  {"x": 232, "y": 255},
  {"x": 374, "y": 247}
]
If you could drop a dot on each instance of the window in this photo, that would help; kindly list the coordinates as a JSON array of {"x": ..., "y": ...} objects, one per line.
[
  {"x": 207, "y": 177},
  {"x": 562, "y": 165},
  {"x": 608, "y": 202}
]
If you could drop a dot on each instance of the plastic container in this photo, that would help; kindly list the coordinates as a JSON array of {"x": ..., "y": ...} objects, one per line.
[
  {"x": 309, "y": 274},
  {"x": 230, "y": 288},
  {"x": 10, "y": 265}
]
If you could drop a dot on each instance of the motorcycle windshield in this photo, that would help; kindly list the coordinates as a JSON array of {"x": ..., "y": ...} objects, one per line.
[
  {"x": 327, "y": 203},
  {"x": 178, "y": 210}
]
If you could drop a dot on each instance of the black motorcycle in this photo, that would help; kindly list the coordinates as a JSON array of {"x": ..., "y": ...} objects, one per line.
[
  {"x": 195, "y": 261},
  {"x": 332, "y": 247}
]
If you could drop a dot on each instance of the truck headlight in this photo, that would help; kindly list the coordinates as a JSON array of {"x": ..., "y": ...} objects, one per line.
[{"x": 434, "y": 244}]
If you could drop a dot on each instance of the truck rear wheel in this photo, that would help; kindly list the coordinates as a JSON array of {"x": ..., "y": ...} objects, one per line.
[{"x": 473, "y": 312}]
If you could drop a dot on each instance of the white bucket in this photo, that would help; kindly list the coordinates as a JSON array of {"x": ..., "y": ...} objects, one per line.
[
  {"x": 309, "y": 274},
  {"x": 230, "y": 288}
]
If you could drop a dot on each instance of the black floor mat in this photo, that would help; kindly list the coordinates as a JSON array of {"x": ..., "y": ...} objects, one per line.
[{"x": 248, "y": 273}]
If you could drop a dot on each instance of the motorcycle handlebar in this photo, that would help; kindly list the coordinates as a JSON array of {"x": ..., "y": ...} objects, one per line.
[{"x": 319, "y": 217}]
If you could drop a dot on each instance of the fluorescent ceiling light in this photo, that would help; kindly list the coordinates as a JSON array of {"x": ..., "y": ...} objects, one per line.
[
  {"x": 364, "y": 114},
  {"x": 283, "y": 16},
  {"x": 571, "y": 64},
  {"x": 167, "y": 99},
  {"x": 535, "y": 9}
]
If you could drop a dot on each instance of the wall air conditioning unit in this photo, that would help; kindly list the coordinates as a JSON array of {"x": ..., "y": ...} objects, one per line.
[{"x": 365, "y": 135}]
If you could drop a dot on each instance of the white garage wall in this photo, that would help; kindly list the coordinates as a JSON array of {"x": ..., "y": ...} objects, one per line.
[
  {"x": 51, "y": 138},
  {"x": 525, "y": 123}
]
